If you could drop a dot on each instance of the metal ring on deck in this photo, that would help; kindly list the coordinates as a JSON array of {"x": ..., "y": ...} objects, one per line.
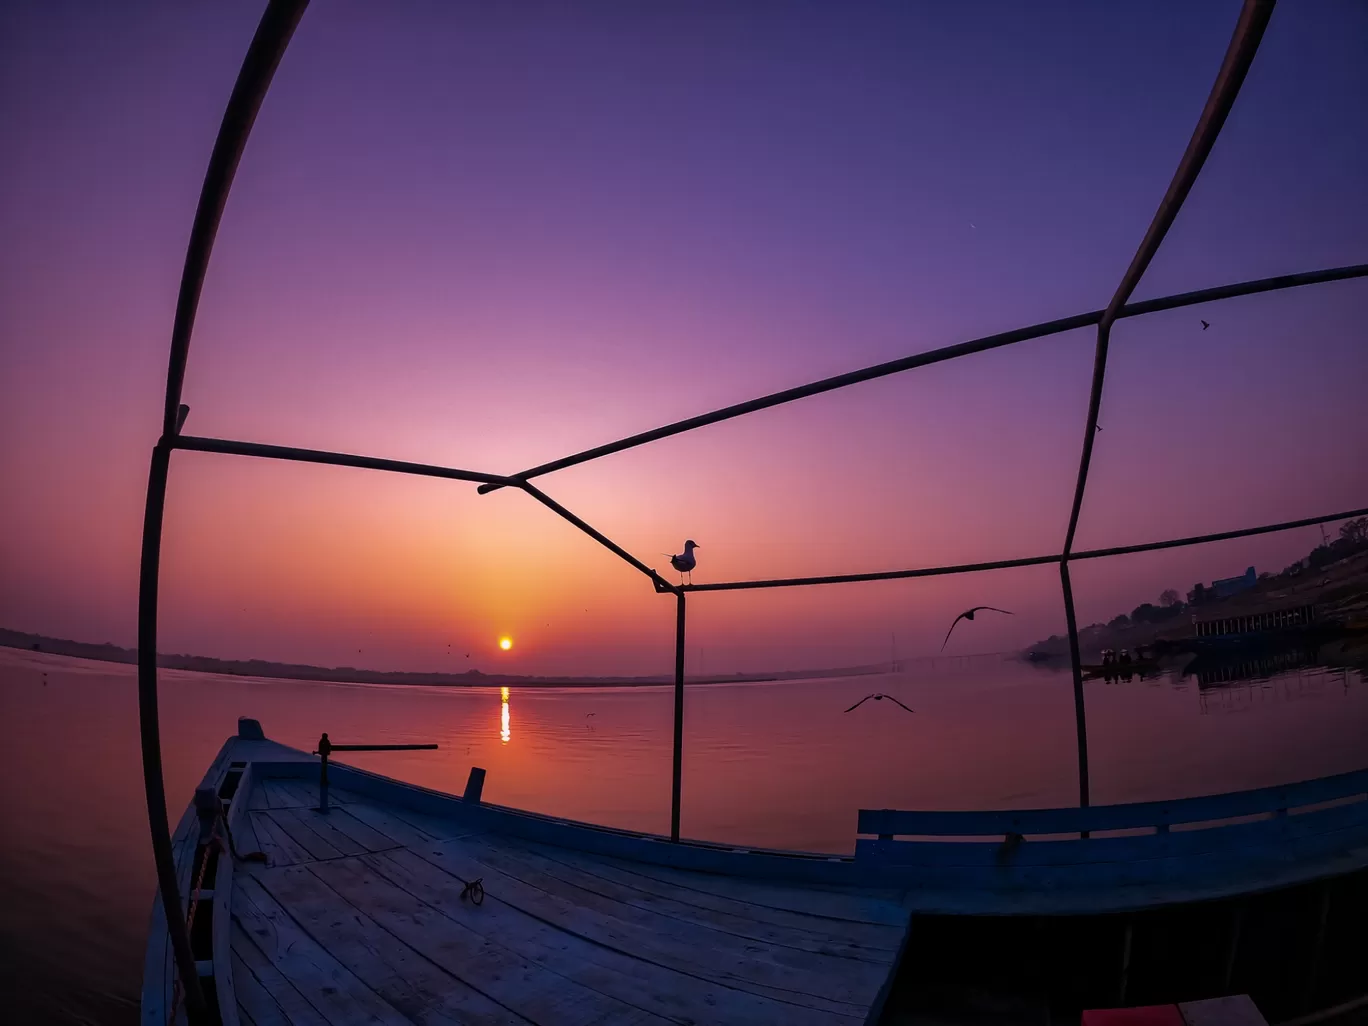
[{"x": 474, "y": 890}]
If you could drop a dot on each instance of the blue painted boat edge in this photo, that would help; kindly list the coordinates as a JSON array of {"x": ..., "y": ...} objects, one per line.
[
  {"x": 158, "y": 972},
  {"x": 1206, "y": 808},
  {"x": 940, "y": 877},
  {"x": 700, "y": 856}
]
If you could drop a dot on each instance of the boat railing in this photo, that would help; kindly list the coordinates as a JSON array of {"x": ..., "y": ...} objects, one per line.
[
  {"x": 267, "y": 48},
  {"x": 1152, "y": 817}
]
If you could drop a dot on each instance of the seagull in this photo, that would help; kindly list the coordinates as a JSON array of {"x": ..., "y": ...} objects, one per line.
[
  {"x": 686, "y": 562},
  {"x": 877, "y": 698},
  {"x": 1205, "y": 325},
  {"x": 968, "y": 614}
]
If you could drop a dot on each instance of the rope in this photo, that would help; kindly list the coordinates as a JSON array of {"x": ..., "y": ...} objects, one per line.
[
  {"x": 251, "y": 856},
  {"x": 179, "y": 991},
  {"x": 474, "y": 890}
]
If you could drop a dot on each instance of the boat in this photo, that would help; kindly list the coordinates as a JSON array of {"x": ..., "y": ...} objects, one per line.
[
  {"x": 1136, "y": 667},
  {"x": 300, "y": 890},
  {"x": 323, "y": 892},
  {"x": 379, "y": 901}
]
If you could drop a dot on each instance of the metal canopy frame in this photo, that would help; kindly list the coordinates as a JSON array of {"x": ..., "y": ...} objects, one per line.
[{"x": 263, "y": 57}]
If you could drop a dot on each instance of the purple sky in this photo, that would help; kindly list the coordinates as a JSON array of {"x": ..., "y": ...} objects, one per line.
[{"x": 489, "y": 237}]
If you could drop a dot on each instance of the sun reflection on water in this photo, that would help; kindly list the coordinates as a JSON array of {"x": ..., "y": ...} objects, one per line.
[{"x": 505, "y": 733}]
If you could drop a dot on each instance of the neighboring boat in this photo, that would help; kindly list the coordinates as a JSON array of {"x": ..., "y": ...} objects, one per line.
[{"x": 1136, "y": 667}]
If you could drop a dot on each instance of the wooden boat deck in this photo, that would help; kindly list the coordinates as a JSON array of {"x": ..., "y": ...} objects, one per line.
[
  {"x": 359, "y": 918},
  {"x": 358, "y": 914}
]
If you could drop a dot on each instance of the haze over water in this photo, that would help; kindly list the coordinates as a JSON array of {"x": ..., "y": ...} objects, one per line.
[{"x": 776, "y": 764}]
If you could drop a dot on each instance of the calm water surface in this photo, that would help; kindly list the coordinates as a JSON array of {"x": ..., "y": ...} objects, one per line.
[{"x": 776, "y": 764}]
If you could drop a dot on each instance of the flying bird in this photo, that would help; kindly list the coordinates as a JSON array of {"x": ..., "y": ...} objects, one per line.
[
  {"x": 877, "y": 698},
  {"x": 968, "y": 614},
  {"x": 1205, "y": 325},
  {"x": 686, "y": 561}
]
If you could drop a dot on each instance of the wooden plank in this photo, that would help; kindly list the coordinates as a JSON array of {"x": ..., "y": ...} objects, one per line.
[
  {"x": 282, "y": 795},
  {"x": 301, "y": 794},
  {"x": 1252, "y": 838},
  {"x": 159, "y": 964},
  {"x": 410, "y": 983},
  {"x": 245, "y": 836},
  {"x": 257, "y": 800},
  {"x": 856, "y": 906},
  {"x": 343, "y": 795},
  {"x": 803, "y": 868},
  {"x": 791, "y": 975},
  {"x": 255, "y": 1004},
  {"x": 322, "y": 824},
  {"x": 868, "y": 936},
  {"x": 293, "y": 1004},
  {"x": 330, "y": 987},
  {"x": 359, "y": 833},
  {"x": 640, "y": 984},
  {"x": 1237, "y": 1010},
  {"x": 280, "y": 847},
  {"x": 1113, "y": 817},
  {"x": 435, "y": 826},
  {"x": 397, "y": 830},
  {"x": 316, "y": 845},
  {"x": 471, "y": 950},
  {"x": 655, "y": 911},
  {"x": 220, "y": 940}
]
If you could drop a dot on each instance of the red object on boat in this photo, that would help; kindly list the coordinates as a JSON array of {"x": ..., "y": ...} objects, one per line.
[{"x": 1148, "y": 1015}]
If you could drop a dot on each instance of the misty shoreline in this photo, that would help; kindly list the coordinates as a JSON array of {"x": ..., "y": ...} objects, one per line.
[{"x": 110, "y": 653}]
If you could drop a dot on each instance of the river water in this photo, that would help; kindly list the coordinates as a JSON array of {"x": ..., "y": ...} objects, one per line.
[{"x": 776, "y": 764}]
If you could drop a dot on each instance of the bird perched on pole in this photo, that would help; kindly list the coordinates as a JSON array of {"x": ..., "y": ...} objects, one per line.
[
  {"x": 685, "y": 561},
  {"x": 968, "y": 614}
]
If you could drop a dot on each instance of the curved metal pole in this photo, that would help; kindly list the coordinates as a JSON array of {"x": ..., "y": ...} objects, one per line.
[
  {"x": 951, "y": 352},
  {"x": 1239, "y": 56},
  {"x": 1244, "y": 43},
  {"x": 268, "y": 45},
  {"x": 1007, "y": 564}
]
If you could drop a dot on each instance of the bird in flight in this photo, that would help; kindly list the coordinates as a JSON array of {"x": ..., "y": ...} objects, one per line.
[
  {"x": 685, "y": 561},
  {"x": 968, "y": 614},
  {"x": 877, "y": 698},
  {"x": 1205, "y": 325}
]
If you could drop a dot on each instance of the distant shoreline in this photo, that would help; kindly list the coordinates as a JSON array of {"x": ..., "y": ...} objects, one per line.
[
  {"x": 1338, "y": 590},
  {"x": 109, "y": 653}
]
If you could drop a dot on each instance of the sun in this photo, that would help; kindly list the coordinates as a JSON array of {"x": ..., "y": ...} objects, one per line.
[{"x": 505, "y": 643}]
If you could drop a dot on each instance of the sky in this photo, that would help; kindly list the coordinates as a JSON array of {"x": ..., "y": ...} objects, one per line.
[{"x": 485, "y": 238}]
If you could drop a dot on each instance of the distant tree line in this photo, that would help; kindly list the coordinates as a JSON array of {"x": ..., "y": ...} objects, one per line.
[
  {"x": 1170, "y": 605},
  {"x": 1353, "y": 538}
]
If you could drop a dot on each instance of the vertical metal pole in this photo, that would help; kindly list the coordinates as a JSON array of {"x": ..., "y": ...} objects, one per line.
[
  {"x": 150, "y": 730},
  {"x": 1236, "y": 922},
  {"x": 1317, "y": 946},
  {"x": 1080, "y": 715},
  {"x": 1126, "y": 961},
  {"x": 678, "y": 718}
]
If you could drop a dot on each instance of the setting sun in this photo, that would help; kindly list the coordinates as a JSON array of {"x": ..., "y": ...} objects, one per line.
[{"x": 505, "y": 643}]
